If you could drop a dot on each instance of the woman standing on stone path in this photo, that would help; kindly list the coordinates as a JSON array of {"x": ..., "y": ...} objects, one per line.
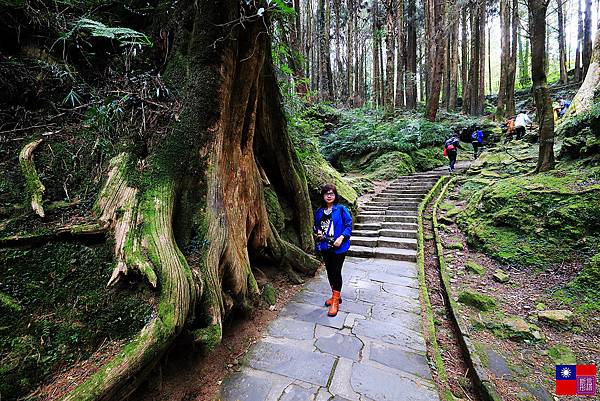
[{"x": 333, "y": 226}]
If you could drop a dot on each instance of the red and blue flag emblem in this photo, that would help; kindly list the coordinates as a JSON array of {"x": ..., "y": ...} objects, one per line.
[{"x": 575, "y": 380}]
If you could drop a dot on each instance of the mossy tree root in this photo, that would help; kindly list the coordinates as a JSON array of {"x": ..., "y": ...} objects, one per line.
[
  {"x": 35, "y": 188},
  {"x": 178, "y": 293}
]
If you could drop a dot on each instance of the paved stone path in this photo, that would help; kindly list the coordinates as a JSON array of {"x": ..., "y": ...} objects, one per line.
[{"x": 374, "y": 349}]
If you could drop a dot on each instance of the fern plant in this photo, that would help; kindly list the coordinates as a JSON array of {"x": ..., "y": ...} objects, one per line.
[{"x": 125, "y": 36}]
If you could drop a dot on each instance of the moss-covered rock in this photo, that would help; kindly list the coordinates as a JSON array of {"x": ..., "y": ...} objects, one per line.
[
  {"x": 455, "y": 245},
  {"x": 501, "y": 276},
  {"x": 516, "y": 328},
  {"x": 269, "y": 294},
  {"x": 475, "y": 267},
  {"x": 562, "y": 355},
  {"x": 390, "y": 165},
  {"x": 560, "y": 318},
  {"x": 477, "y": 300}
]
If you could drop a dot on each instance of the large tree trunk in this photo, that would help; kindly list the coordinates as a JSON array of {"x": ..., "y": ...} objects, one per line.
[
  {"x": 541, "y": 93},
  {"x": 453, "y": 67},
  {"x": 586, "y": 54},
  {"x": 562, "y": 53},
  {"x": 411, "y": 55},
  {"x": 325, "y": 81},
  {"x": 389, "y": 53},
  {"x": 376, "y": 66},
  {"x": 350, "y": 72},
  {"x": 578, "y": 67},
  {"x": 436, "y": 22},
  {"x": 504, "y": 55},
  {"x": 296, "y": 46},
  {"x": 401, "y": 55},
  {"x": 584, "y": 99},
  {"x": 204, "y": 179},
  {"x": 464, "y": 63},
  {"x": 512, "y": 68}
]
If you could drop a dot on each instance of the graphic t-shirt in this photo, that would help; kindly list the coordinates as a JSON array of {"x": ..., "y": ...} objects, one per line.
[{"x": 326, "y": 228}]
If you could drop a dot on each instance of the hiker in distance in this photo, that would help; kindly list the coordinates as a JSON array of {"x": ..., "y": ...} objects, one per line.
[
  {"x": 521, "y": 121},
  {"x": 477, "y": 142},
  {"x": 451, "y": 147},
  {"x": 333, "y": 227}
]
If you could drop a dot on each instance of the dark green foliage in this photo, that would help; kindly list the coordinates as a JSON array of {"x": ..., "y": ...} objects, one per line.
[{"x": 61, "y": 311}]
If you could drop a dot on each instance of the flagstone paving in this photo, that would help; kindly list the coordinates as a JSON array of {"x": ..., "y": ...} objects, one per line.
[{"x": 374, "y": 348}]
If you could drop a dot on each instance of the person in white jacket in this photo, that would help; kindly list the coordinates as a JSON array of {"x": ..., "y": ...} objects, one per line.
[{"x": 521, "y": 121}]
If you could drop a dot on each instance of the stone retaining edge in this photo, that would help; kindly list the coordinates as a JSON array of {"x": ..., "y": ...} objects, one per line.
[
  {"x": 487, "y": 388},
  {"x": 439, "y": 363}
]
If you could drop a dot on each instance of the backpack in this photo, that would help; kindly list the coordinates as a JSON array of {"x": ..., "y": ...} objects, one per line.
[{"x": 450, "y": 142}]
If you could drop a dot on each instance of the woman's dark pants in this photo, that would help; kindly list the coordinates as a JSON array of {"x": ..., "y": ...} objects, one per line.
[
  {"x": 333, "y": 263},
  {"x": 452, "y": 157},
  {"x": 520, "y": 131}
]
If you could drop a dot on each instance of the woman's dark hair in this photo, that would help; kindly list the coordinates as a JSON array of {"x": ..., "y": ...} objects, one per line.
[{"x": 329, "y": 187}]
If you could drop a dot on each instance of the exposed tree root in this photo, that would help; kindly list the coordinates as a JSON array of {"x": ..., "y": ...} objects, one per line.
[
  {"x": 90, "y": 230},
  {"x": 34, "y": 186}
]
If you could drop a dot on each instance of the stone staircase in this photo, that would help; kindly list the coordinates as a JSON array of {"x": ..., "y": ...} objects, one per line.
[{"x": 386, "y": 225}]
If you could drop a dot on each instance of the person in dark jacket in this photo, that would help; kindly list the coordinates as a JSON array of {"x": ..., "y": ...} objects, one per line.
[
  {"x": 451, "y": 147},
  {"x": 333, "y": 227}
]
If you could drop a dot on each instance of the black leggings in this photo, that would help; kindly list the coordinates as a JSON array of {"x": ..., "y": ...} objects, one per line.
[{"x": 333, "y": 263}]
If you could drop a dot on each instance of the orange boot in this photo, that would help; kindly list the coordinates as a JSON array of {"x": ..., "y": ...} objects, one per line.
[
  {"x": 335, "y": 303},
  {"x": 328, "y": 302}
]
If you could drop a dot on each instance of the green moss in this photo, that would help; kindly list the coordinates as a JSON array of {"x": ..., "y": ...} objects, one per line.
[
  {"x": 390, "y": 165},
  {"x": 269, "y": 294},
  {"x": 8, "y": 304},
  {"x": 455, "y": 245},
  {"x": 477, "y": 300},
  {"x": 475, "y": 267},
  {"x": 209, "y": 336},
  {"x": 274, "y": 210},
  {"x": 562, "y": 355}
]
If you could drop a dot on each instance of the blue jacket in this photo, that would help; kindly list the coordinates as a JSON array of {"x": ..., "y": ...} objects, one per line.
[
  {"x": 342, "y": 225},
  {"x": 477, "y": 136}
]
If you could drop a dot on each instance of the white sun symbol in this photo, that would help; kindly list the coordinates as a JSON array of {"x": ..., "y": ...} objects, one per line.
[{"x": 565, "y": 372}]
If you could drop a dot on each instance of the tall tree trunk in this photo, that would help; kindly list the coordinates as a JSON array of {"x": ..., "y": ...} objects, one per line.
[
  {"x": 401, "y": 54},
  {"x": 294, "y": 59},
  {"x": 578, "y": 50},
  {"x": 475, "y": 67},
  {"x": 586, "y": 54},
  {"x": 453, "y": 74},
  {"x": 376, "y": 66},
  {"x": 350, "y": 48},
  {"x": 512, "y": 69},
  {"x": 205, "y": 178},
  {"x": 482, "y": 53},
  {"x": 464, "y": 63},
  {"x": 541, "y": 93},
  {"x": 436, "y": 17},
  {"x": 505, "y": 37},
  {"x": 562, "y": 56},
  {"x": 411, "y": 55},
  {"x": 325, "y": 76},
  {"x": 341, "y": 87},
  {"x": 390, "y": 7}
]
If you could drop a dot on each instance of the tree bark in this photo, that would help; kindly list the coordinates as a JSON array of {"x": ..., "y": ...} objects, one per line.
[
  {"x": 325, "y": 75},
  {"x": 464, "y": 63},
  {"x": 578, "y": 63},
  {"x": 203, "y": 180},
  {"x": 35, "y": 188},
  {"x": 436, "y": 19},
  {"x": 541, "y": 93},
  {"x": 389, "y": 53},
  {"x": 586, "y": 55},
  {"x": 453, "y": 74},
  {"x": 296, "y": 46},
  {"x": 584, "y": 99},
  {"x": 504, "y": 56},
  {"x": 376, "y": 66},
  {"x": 401, "y": 55},
  {"x": 350, "y": 72},
  {"x": 562, "y": 55},
  {"x": 512, "y": 66},
  {"x": 411, "y": 55}
]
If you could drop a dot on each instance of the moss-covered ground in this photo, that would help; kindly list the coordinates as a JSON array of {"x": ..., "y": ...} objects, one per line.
[{"x": 56, "y": 310}]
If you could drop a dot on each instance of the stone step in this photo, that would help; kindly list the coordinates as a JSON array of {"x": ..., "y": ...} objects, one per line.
[
  {"x": 364, "y": 233},
  {"x": 388, "y": 212},
  {"x": 413, "y": 191},
  {"x": 396, "y": 233},
  {"x": 407, "y": 225},
  {"x": 393, "y": 203},
  {"x": 367, "y": 207},
  {"x": 399, "y": 196},
  {"x": 406, "y": 255},
  {"x": 382, "y": 218},
  {"x": 366, "y": 226},
  {"x": 385, "y": 242}
]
